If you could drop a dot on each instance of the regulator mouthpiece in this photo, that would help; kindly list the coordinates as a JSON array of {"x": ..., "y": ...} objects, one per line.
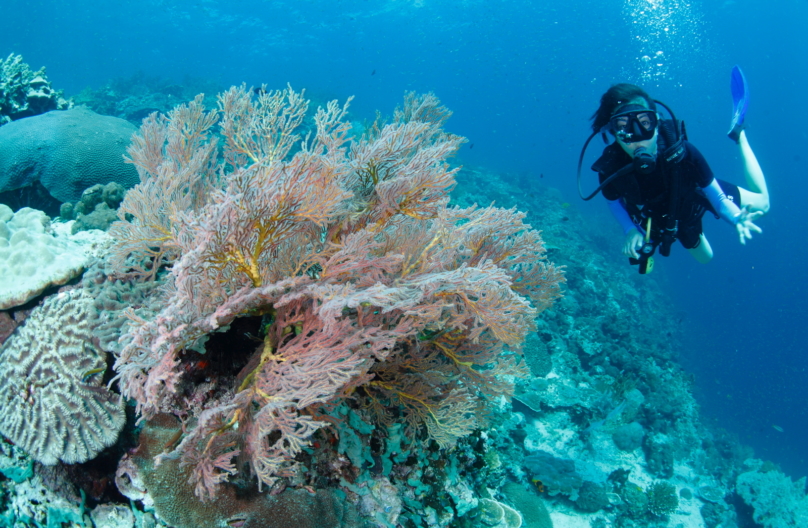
[{"x": 644, "y": 162}]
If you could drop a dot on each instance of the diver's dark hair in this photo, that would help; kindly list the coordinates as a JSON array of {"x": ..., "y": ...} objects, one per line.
[{"x": 615, "y": 96}]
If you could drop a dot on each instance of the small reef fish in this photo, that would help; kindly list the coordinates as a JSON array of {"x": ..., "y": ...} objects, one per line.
[
  {"x": 778, "y": 428},
  {"x": 90, "y": 373}
]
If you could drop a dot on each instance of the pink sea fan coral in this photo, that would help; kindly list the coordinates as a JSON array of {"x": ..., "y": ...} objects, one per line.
[{"x": 367, "y": 283}]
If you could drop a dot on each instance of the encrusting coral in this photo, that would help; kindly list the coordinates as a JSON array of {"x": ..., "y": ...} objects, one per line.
[
  {"x": 775, "y": 498},
  {"x": 364, "y": 283}
]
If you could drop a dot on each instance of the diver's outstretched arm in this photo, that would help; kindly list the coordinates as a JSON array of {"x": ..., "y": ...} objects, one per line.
[
  {"x": 743, "y": 218},
  {"x": 756, "y": 197}
]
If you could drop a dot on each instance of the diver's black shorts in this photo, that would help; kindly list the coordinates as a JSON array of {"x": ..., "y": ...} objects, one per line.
[{"x": 689, "y": 234}]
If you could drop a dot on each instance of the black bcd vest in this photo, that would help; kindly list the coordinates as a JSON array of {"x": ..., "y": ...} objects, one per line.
[{"x": 691, "y": 203}]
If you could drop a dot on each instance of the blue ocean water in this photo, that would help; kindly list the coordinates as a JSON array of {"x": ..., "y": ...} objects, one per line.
[{"x": 522, "y": 79}]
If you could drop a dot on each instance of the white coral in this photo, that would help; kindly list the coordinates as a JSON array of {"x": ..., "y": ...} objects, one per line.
[{"x": 32, "y": 258}]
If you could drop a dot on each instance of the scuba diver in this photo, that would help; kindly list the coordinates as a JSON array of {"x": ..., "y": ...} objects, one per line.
[{"x": 658, "y": 185}]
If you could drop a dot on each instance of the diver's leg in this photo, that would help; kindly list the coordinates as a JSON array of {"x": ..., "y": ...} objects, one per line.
[
  {"x": 757, "y": 196},
  {"x": 703, "y": 253}
]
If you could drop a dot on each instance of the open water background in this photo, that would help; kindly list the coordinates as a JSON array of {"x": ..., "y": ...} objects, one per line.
[{"x": 523, "y": 77}]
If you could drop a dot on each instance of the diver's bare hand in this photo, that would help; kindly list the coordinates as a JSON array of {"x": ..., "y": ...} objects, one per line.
[
  {"x": 745, "y": 224},
  {"x": 634, "y": 241}
]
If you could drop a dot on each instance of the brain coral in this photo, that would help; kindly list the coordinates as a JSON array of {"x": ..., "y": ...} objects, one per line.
[
  {"x": 66, "y": 151},
  {"x": 31, "y": 258},
  {"x": 52, "y": 401}
]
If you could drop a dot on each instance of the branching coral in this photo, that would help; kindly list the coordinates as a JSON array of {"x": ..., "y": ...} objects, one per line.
[{"x": 24, "y": 93}]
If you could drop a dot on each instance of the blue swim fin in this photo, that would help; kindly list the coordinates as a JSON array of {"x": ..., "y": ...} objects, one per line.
[{"x": 740, "y": 102}]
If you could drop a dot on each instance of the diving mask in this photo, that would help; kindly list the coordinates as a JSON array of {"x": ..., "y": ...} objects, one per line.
[{"x": 633, "y": 123}]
